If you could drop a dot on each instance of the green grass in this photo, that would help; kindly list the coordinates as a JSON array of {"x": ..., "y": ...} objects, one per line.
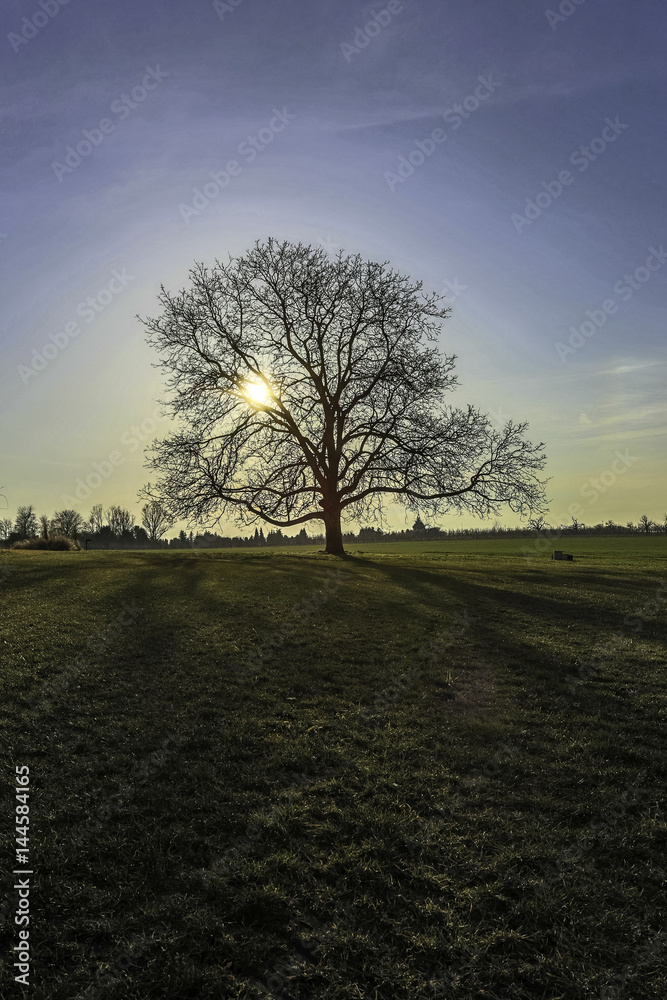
[{"x": 402, "y": 795}]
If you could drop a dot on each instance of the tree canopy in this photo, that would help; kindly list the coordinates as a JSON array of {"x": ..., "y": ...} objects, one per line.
[{"x": 311, "y": 389}]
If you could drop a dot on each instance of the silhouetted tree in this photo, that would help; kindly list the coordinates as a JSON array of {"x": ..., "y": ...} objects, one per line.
[
  {"x": 96, "y": 519},
  {"x": 645, "y": 523},
  {"x": 120, "y": 519},
  {"x": 25, "y": 524},
  {"x": 5, "y": 529},
  {"x": 67, "y": 522},
  {"x": 155, "y": 520},
  {"x": 44, "y": 526},
  {"x": 308, "y": 394}
]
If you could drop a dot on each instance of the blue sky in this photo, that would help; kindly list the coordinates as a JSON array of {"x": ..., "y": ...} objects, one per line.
[{"x": 539, "y": 211}]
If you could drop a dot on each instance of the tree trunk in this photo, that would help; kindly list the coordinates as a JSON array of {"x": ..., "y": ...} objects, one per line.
[{"x": 334, "y": 533}]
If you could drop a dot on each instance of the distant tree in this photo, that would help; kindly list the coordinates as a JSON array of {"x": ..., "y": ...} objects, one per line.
[
  {"x": 645, "y": 523},
  {"x": 419, "y": 527},
  {"x": 120, "y": 519},
  {"x": 631, "y": 527},
  {"x": 96, "y": 519},
  {"x": 537, "y": 523},
  {"x": 576, "y": 525},
  {"x": 182, "y": 538},
  {"x": 155, "y": 520},
  {"x": 309, "y": 392},
  {"x": 67, "y": 522},
  {"x": 140, "y": 534},
  {"x": 44, "y": 526},
  {"x": 25, "y": 525},
  {"x": 5, "y": 529}
]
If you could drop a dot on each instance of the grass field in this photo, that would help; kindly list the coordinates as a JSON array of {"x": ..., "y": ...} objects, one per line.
[{"x": 427, "y": 770}]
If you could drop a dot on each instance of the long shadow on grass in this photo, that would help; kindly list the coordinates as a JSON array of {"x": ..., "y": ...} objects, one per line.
[
  {"x": 489, "y": 603},
  {"x": 166, "y": 674},
  {"x": 143, "y": 687}
]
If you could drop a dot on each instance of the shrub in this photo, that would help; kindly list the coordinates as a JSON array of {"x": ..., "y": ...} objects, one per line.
[{"x": 59, "y": 542}]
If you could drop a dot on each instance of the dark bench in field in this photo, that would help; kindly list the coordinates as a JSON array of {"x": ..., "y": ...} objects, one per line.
[{"x": 562, "y": 555}]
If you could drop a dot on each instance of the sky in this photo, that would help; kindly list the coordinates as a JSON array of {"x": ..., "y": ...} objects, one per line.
[{"x": 511, "y": 156}]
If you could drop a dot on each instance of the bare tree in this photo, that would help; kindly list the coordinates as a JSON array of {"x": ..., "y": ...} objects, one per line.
[
  {"x": 537, "y": 523},
  {"x": 44, "y": 526},
  {"x": 155, "y": 520},
  {"x": 67, "y": 522},
  {"x": 96, "y": 519},
  {"x": 645, "y": 523},
  {"x": 5, "y": 529},
  {"x": 120, "y": 519},
  {"x": 307, "y": 394},
  {"x": 25, "y": 525}
]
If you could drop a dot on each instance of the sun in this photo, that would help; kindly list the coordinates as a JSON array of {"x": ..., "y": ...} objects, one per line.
[{"x": 257, "y": 393}]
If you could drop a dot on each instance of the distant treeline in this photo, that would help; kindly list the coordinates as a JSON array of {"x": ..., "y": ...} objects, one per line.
[{"x": 114, "y": 529}]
